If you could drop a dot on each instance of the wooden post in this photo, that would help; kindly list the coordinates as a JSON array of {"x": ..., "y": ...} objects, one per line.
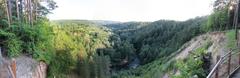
[
  {"x": 216, "y": 73},
  {"x": 236, "y": 19},
  {"x": 14, "y": 68},
  {"x": 0, "y": 53},
  {"x": 1, "y": 59},
  {"x": 239, "y": 59},
  {"x": 229, "y": 63}
]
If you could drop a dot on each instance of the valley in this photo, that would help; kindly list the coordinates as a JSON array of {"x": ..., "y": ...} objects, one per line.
[{"x": 32, "y": 45}]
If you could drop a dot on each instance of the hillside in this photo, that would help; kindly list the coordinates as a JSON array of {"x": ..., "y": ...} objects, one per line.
[
  {"x": 206, "y": 46},
  {"x": 219, "y": 42},
  {"x": 219, "y": 45},
  {"x": 33, "y": 45},
  {"x": 127, "y": 49}
]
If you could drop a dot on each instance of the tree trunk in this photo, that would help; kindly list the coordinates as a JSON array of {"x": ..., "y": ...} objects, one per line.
[
  {"x": 7, "y": 10},
  {"x": 26, "y": 11},
  {"x": 35, "y": 10},
  {"x": 21, "y": 10},
  {"x": 10, "y": 10},
  {"x": 17, "y": 8},
  {"x": 30, "y": 8}
]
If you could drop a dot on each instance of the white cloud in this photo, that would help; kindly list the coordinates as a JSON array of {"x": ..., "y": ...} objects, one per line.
[{"x": 131, "y": 10}]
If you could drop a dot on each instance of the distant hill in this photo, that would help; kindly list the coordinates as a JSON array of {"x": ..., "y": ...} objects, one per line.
[
  {"x": 126, "y": 25},
  {"x": 104, "y": 22},
  {"x": 98, "y": 22}
]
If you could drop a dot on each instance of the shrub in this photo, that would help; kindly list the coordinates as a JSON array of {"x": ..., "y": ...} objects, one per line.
[
  {"x": 194, "y": 64},
  {"x": 231, "y": 41},
  {"x": 14, "y": 47},
  {"x": 10, "y": 42}
]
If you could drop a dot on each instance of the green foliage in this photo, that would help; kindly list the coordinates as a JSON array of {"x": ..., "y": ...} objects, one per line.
[
  {"x": 222, "y": 17},
  {"x": 14, "y": 47},
  {"x": 61, "y": 64},
  {"x": 157, "y": 39},
  {"x": 154, "y": 69},
  {"x": 96, "y": 66},
  {"x": 10, "y": 42},
  {"x": 193, "y": 65},
  {"x": 165, "y": 37},
  {"x": 153, "y": 43},
  {"x": 87, "y": 50},
  {"x": 147, "y": 53},
  {"x": 36, "y": 40},
  {"x": 75, "y": 45},
  {"x": 30, "y": 40},
  {"x": 231, "y": 39},
  {"x": 123, "y": 51}
]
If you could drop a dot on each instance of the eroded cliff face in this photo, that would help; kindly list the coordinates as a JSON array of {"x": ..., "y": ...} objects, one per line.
[
  {"x": 30, "y": 68},
  {"x": 25, "y": 68},
  {"x": 218, "y": 47}
]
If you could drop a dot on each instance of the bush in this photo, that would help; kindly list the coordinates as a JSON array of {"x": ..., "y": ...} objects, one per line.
[
  {"x": 14, "y": 47},
  {"x": 231, "y": 41},
  {"x": 36, "y": 40},
  {"x": 61, "y": 64},
  {"x": 194, "y": 64},
  {"x": 10, "y": 42}
]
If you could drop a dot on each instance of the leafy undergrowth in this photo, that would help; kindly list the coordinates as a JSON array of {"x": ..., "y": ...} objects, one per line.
[
  {"x": 29, "y": 40},
  {"x": 154, "y": 69},
  {"x": 194, "y": 65},
  {"x": 231, "y": 39}
]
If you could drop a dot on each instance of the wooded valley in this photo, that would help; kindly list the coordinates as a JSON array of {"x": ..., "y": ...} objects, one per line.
[{"x": 106, "y": 49}]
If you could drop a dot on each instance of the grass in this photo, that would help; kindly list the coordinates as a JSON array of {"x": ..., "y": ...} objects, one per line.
[{"x": 231, "y": 41}]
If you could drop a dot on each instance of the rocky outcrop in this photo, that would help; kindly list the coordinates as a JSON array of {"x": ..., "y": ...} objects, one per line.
[
  {"x": 30, "y": 68},
  {"x": 4, "y": 72},
  {"x": 40, "y": 71},
  {"x": 25, "y": 68}
]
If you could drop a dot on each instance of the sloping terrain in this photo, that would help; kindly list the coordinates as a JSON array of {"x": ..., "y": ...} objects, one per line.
[{"x": 219, "y": 46}]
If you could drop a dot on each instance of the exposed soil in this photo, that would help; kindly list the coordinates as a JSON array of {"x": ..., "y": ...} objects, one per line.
[{"x": 218, "y": 47}]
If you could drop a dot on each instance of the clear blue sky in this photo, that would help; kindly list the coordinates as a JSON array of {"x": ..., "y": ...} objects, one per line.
[{"x": 131, "y": 10}]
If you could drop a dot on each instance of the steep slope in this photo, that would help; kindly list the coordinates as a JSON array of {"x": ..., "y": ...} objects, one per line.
[
  {"x": 156, "y": 43},
  {"x": 220, "y": 42},
  {"x": 153, "y": 40},
  {"x": 218, "y": 39}
]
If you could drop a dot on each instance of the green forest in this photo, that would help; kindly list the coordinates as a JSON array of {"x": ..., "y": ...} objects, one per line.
[{"x": 105, "y": 49}]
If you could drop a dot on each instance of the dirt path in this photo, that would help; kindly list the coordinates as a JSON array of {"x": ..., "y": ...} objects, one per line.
[{"x": 236, "y": 74}]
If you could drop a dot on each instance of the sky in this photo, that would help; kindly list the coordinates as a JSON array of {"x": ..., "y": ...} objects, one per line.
[{"x": 131, "y": 10}]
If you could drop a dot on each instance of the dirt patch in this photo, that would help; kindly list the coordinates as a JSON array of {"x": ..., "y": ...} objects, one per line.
[{"x": 218, "y": 47}]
